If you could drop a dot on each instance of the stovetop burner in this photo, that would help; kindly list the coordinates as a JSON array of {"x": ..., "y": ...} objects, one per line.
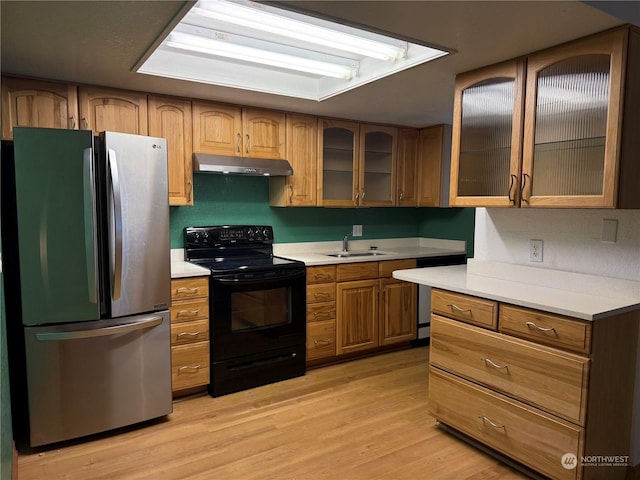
[{"x": 234, "y": 248}]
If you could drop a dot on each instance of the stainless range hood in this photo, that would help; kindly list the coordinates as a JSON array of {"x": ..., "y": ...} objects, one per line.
[{"x": 222, "y": 164}]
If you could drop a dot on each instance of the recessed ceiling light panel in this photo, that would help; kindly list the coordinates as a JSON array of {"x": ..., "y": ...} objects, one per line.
[{"x": 221, "y": 40}]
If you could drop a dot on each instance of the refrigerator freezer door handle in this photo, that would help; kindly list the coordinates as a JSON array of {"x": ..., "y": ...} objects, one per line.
[
  {"x": 90, "y": 231},
  {"x": 101, "y": 332},
  {"x": 117, "y": 224}
]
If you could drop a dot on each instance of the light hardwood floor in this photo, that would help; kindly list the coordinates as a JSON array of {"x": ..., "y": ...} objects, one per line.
[{"x": 362, "y": 420}]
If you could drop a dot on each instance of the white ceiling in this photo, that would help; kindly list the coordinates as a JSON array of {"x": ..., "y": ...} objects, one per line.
[{"x": 99, "y": 42}]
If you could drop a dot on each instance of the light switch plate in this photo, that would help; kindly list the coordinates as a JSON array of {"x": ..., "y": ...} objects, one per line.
[
  {"x": 357, "y": 231},
  {"x": 609, "y": 230}
]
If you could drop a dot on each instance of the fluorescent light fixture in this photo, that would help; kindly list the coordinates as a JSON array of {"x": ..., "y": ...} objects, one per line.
[
  {"x": 265, "y": 21},
  {"x": 253, "y": 46},
  {"x": 220, "y": 48}
]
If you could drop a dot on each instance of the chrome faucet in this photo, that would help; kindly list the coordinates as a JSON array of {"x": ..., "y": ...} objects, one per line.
[{"x": 345, "y": 243}]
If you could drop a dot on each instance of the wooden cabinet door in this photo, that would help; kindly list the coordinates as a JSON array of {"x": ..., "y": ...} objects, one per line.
[
  {"x": 171, "y": 118},
  {"x": 377, "y": 165},
  {"x": 357, "y": 316},
  {"x": 300, "y": 189},
  {"x": 407, "y": 195},
  {"x": 217, "y": 129},
  {"x": 398, "y": 314},
  {"x": 263, "y": 134},
  {"x": 104, "y": 109},
  {"x": 338, "y": 143},
  {"x": 573, "y": 118},
  {"x": 486, "y": 148},
  {"x": 34, "y": 103},
  {"x": 433, "y": 143}
]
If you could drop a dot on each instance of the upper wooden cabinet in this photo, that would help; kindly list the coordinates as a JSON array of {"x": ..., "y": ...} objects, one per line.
[
  {"x": 407, "y": 191},
  {"x": 171, "y": 118},
  {"x": 377, "y": 165},
  {"x": 299, "y": 189},
  {"x": 556, "y": 135},
  {"x": 422, "y": 155},
  {"x": 35, "y": 103},
  {"x": 103, "y": 109},
  {"x": 434, "y": 150},
  {"x": 487, "y": 136},
  {"x": 338, "y": 142},
  {"x": 356, "y": 164},
  {"x": 221, "y": 129}
]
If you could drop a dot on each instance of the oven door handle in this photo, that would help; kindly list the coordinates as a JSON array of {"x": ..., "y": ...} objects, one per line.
[{"x": 260, "y": 280}]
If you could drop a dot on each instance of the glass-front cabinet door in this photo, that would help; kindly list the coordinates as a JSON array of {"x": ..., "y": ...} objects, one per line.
[
  {"x": 572, "y": 120},
  {"x": 338, "y": 162},
  {"x": 487, "y": 136},
  {"x": 377, "y": 182}
]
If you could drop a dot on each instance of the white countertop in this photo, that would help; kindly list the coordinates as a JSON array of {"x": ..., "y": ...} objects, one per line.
[
  {"x": 317, "y": 253},
  {"x": 577, "y": 295},
  {"x": 182, "y": 269}
]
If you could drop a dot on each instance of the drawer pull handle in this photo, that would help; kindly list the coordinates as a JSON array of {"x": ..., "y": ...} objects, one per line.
[
  {"x": 488, "y": 420},
  {"x": 542, "y": 329},
  {"x": 319, "y": 276},
  {"x": 321, "y": 295},
  {"x": 188, "y": 313},
  {"x": 493, "y": 364},
  {"x": 188, "y": 290},
  {"x": 328, "y": 313},
  {"x": 326, "y": 341},
  {"x": 188, "y": 334},
  {"x": 459, "y": 309},
  {"x": 189, "y": 368}
]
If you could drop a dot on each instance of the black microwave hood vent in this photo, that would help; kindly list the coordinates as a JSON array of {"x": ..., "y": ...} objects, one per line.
[{"x": 223, "y": 164}]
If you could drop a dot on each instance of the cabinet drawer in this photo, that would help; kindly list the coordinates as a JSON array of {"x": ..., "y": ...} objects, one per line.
[
  {"x": 189, "y": 332},
  {"x": 546, "y": 328},
  {"x": 357, "y": 271},
  {"x": 322, "y": 292},
  {"x": 325, "y": 273},
  {"x": 187, "y": 310},
  {"x": 533, "y": 438},
  {"x": 190, "y": 365},
  {"x": 321, "y": 340},
  {"x": 388, "y": 266},
  {"x": 550, "y": 379},
  {"x": 321, "y": 311},
  {"x": 476, "y": 311},
  {"x": 185, "y": 288}
]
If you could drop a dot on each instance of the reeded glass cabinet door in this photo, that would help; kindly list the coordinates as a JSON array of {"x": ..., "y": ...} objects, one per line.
[
  {"x": 487, "y": 138},
  {"x": 338, "y": 142},
  {"x": 572, "y": 116},
  {"x": 377, "y": 165}
]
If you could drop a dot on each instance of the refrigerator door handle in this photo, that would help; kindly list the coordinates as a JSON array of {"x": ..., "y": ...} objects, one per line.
[
  {"x": 90, "y": 229},
  {"x": 100, "y": 332},
  {"x": 117, "y": 224}
]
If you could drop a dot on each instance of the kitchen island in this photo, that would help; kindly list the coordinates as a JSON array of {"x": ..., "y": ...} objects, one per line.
[{"x": 539, "y": 365}]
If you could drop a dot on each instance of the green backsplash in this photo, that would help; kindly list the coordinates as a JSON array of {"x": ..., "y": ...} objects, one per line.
[
  {"x": 449, "y": 223},
  {"x": 221, "y": 199}
]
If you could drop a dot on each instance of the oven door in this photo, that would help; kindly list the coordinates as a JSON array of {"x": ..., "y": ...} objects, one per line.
[{"x": 257, "y": 312}]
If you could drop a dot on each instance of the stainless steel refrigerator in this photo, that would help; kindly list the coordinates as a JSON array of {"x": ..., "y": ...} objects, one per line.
[{"x": 86, "y": 257}]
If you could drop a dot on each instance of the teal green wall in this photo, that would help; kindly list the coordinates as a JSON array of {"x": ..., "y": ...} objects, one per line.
[
  {"x": 448, "y": 223},
  {"x": 221, "y": 200}
]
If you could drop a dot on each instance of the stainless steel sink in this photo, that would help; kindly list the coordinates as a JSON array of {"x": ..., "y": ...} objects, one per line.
[{"x": 354, "y": 254}]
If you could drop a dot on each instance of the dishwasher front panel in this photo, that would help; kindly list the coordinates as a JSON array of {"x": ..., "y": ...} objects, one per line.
[{"x": 96, "y": 376}]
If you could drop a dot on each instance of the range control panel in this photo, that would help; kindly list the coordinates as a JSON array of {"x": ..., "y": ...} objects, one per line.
[{"x": 228, "y": 235}]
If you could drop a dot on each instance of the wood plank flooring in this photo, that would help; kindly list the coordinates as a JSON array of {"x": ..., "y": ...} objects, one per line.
[{"x": 362, "y": 420}]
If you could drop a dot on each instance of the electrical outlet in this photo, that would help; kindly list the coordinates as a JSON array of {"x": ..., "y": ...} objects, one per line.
[
  {"x": 357, "y": 231},
  {"x": 535, "y": 250}
]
